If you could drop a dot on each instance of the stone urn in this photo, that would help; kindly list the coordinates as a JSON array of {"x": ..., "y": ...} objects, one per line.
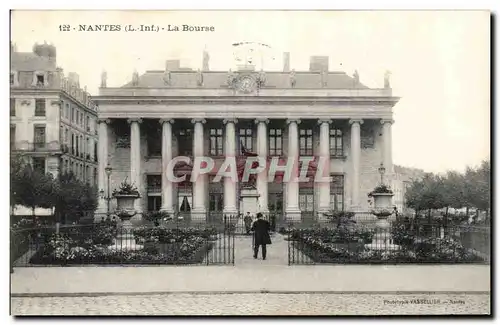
[
  {"x": 125, "y": 239},
  {"x": 382, "y": 240},
  {"x": 125, "y": 207}
]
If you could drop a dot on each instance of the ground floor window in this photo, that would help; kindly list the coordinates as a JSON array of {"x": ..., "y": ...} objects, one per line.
[
  {"x": 337, "y": 193},
  {"x": 39, "y": 164},
  {"x": 215, "y": 196},
  {"x": 306, "y": 199},
  {"x": 154, "y": 203},
  {"x": 184, "y": 197}
]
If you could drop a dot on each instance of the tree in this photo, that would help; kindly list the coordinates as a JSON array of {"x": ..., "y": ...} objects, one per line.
[
  {"x": 74, "y": 198},
  {"x": 31, "y": 187}
]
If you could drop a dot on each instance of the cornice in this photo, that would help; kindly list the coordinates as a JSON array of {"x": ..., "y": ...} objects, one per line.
[{"x": 245, "y": 100}]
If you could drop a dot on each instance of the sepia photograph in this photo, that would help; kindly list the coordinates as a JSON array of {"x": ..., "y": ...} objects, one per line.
[{"x": 250, "y": 163}]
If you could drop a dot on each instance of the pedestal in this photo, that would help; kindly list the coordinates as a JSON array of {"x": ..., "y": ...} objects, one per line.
[
  {"x": 382, "y": 240},
  {"x": 249, "y": 201},
  {"x": 125, "y": 240}
]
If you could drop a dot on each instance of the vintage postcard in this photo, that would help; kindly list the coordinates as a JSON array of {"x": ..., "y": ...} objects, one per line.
[{"x": 267, "y": 163}]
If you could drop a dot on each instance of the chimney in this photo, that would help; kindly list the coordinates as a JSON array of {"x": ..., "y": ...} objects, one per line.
[
  {"x": 318, "y": 63},
  {"x": 286, "y": 62},
  {"x": 172, "y": 65}
]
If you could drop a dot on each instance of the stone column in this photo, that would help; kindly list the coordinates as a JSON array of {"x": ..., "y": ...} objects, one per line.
[
  {"x": 324, "y": 154},
  {"x": 102, "y": 157},
  {"x": 262, "y": 152},
  {"x": 135, "y": 159},
  {"x": 355, "y": 160},
  {"x": 166, "y": 157},
  {"x": 292, "y": 210},
  {"x": 230, "y": 195},
  {"x": 387, "y": 145},
  {"x": 199, "y": 211}
]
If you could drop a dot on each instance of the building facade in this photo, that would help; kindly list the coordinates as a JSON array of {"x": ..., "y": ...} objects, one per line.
[
  {"x": 403, "y": 178},
  {"x": 182, "y": 112},
  {"x": 53, "y": 122}
]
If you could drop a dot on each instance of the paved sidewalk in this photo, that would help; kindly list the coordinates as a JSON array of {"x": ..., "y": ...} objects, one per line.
[{"x": 250, "y": 278}]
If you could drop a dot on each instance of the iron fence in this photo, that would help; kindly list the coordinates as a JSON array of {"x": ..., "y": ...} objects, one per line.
[
  {"x": 397, "y": 242},
  {"x": 108, "y": 243}
]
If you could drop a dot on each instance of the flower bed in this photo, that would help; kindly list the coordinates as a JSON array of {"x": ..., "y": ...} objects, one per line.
[
  {"x": 326, "y": 246},
  {"x": 161, "y": 246},
  {"x": 170, "y": 235}
]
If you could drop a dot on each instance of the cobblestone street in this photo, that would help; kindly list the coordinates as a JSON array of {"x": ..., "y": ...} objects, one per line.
[{"x": 255, "y": 304}]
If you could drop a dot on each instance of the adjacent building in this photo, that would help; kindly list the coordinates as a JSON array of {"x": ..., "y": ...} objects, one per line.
[
  {"x": 53, "y": 121},
  {"x": 403, "y": 178},
  {"x": 162, "y": 114}
]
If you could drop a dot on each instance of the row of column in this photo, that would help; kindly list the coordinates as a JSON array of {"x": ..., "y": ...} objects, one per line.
[{"x": 230, "y": 191}]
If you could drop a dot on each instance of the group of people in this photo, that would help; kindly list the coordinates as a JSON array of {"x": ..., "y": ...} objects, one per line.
[{"x": 260, "y": 229}]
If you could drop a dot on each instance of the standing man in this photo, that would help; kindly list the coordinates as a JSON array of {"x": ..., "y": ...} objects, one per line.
[
  {"x": 261, "y": 236},
  {"x": 248, "y": 222}
]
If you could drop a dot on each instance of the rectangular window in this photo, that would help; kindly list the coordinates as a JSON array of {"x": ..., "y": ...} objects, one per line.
[
  {"x": 215, "y": 196},
  {"x": 306, "y": 142},
  {"x": 275, "y": 142},
  {"x": 12, "y": 76},
  {"x": 185, "y": 142},
  {"x": 73, "y": 113},
  {"x": 40, "y": 80},
  {"x": 67, "y": 111},
  {"x": 337, "y": 193},
  {"x": 154, "y": 183},
  {"x": 154, "y": 203},
  {"x": 184, "y": 197},
  {"x": 39, "y": 164},
  {"x": 306, "y": 200},
  {"x": 87, "y": 124},
  {"x": 81, "y": 120},
  {"x": 39, "y": 136},
  {"x": 246, "y": 139},
  {"x": 216, "y": 142},
  {"x": 39, "y": 107},
  {"x": 77, "y": 117},
  {"x": 12, "y": 135},
  {"x": 336, "y": 143},
  {"x": 154, "y": 139},
  {"x": 12, "y": 107}
]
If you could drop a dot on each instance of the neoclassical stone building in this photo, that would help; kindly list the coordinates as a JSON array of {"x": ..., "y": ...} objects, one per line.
[{"x": 163, "y": 114}]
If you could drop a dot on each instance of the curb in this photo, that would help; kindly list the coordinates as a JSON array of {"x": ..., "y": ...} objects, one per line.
[{"x": 277, "y": 292}]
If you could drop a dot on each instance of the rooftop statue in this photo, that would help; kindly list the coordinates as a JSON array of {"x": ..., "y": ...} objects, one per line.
[
  {"x": 356, "y": 77},
  {"x": 292, "y": 78},
  {"x": 104, "y": 77},
  {"x": 199, "y": 78},
  {"x": 135, "y": 78},
  {"x": 167, "y": 78},
  {"x": 324, "y": 78},
  {"x": 262, "y": 79},
  {"x": 231, "y": 78},
  {"x": 387, "y": 82}
]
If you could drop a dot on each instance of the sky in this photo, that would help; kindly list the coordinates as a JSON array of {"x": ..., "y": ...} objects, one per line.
[{"x": 439, "y": 61}]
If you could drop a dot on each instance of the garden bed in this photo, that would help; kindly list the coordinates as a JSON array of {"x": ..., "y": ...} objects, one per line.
[
  {"x": 160, "y": 246},
  {"x": 334, "y": 246}
]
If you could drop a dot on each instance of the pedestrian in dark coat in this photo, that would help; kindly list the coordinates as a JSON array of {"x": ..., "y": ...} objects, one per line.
[{"x": 261, "y": 229}]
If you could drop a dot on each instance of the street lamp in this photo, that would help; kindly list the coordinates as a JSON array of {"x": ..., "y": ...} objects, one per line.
[{"x": 381, "y": 171}]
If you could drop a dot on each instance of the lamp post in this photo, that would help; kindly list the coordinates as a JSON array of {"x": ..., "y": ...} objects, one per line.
[
  {"x": 381, "y": 171},
  {"x": 108, "y": 198}
]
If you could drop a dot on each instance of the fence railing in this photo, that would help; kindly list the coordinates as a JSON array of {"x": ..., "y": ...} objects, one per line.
[
  {"x": 397, "y": 243},
  {"x": 108, "y": 243}
]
